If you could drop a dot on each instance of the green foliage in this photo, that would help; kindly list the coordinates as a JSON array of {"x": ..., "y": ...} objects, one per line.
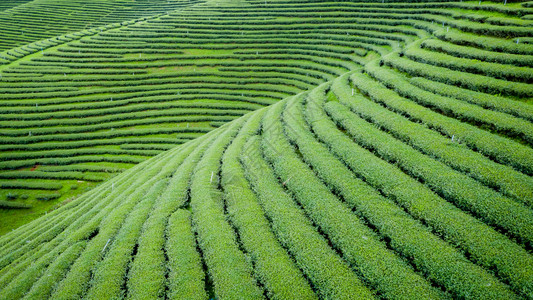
[
  {"x": 457, "y": 188},
  {"x": 371, "y": 256},
  {"x": 455, "y": 225},
  {"x": 111, "y": 273},
  {"x": 47, "y": 197},
  {"x": 30, "y": 185},
  {"x": 228, "y": 268},
  {"x": 186, "y": 277},
  {"x": 410, "y": 181},
  {"x": 475, "y": 53},
  {"x": 471, "y": 81},
  {"x": 146, "y": 277},
  {"x": 484, "y": 42},
  {"x": 500, "y": 122},
  {"x": 273, "y": 266},
  {"x": 331, "y": 276},
  {"x": 332, "y": 218},
  {"x": 439, "y": 260},
  {"x": 475, "y": 66},
  {"x": 494, "y": 102},
  {"x": 511, "y": 182},
  {"x": 13, "y": 205}
]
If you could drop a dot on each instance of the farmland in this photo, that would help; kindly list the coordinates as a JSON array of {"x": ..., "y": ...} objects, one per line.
[{"x": 266, "y": 149}]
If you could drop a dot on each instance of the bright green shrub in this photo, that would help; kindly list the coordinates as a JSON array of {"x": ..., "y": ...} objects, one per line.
[
  {"x": 510, "y": 181},
  {"x": 186, "y": 277},
  {"x": 475, "y": 53},
  {"x": 465, "y": 192},
  {"x": 30, "y": 185},
  {"x": 147, "y": 274},
  {"x": 495, "y": 70},
  {"x": 227, "y": 266},
  {"x": 331, "y": 276},
  {"x": 13, "y": 205},
  {"x": 499, "y": 122},
  {"x": 111, "y": 273},
  {"x": 453, "y": 224},
  {"x": 439, "y": 260},
  {"x": 497, "y": 103},
  {"x": 471, "y": 81},
  {"x": 47, "y": 197},
  {"x": 273, "y": 266}
]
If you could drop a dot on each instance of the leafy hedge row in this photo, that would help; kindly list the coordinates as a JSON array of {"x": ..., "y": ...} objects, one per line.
[
  {"x": 330, "y": 275},
  {"x": 159, "y": 147},
  {"x": 460, "y": 189},
  {"x": 160, "y": 88},
  {"x": 61, "y": 161},
  {"x": 479, "y": 54},
  {"x": 471, "y": 81},
  {"x": 272, "y": 265},
  {"x": 110, "y": 275},
  {"x": 14, "y": 82},
  {"x": 47, "y": 197},
  {"x": 13, "y": 205},
  {"x": 54, "y": 60},
  {"x": 56, "y": 270},
  {"x": 186, "y": 276},
  {"x": 438, "y": 260},
  {"x": 104, "y": 106},
  {"x": 82, "y": 168},
  {"x": 49, "y": 175},
  {"x": 500, "y": 122},
  {"x": 108, "y": 267},
  {"x": 226, "y": 264},
  {"x": 357, "y": 32},
  {"x": 167, "y": 233},
  {"x": 496, "y": 103},
  {"x": 84, "y": 224},
  {"x": 30, "y": 185},
  {"x": 308, "y": 62},
  {"x": 92, "y": 201},
  {"x": 508, "y": 180},
  {"x": 457, "y": 227},
  {"x": 12, "y": 89},
  {"x": 373, "y": 258},
  {"x": 100, "y": 135},
  {"x": 359, "y": 245},
  {"x": 102, "y": 142},
  {"x": 18, "y": 84},
  {"x": 484, "y": 42},
  {"x": 125, "y": 222},
  {"x": 390, "y": 18},
  {"x": 183, "y": 117},
  {"x": 496, "y": 70}
]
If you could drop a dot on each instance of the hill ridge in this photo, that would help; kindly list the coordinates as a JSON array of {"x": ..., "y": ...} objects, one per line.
[
  {"x": 270, "y": 133},
  {"x": 403, "y": 176}
]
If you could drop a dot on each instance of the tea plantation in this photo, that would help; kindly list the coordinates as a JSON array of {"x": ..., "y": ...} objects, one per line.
[{"x": 266, "y": 149}]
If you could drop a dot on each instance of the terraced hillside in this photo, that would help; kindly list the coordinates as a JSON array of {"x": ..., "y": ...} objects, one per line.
[
  {"x": 80, "y": 108},
  {"x": 25, "y": 21},
  {"x": 91, "y": 104},
  {"x": 393, "y": 161}
]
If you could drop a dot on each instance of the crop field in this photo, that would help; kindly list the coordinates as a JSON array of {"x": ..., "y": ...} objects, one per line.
[
  {"x": 78, "y": 110},
  {"x": 24, "y": 21},
  {"x": 266, "y": 149}
]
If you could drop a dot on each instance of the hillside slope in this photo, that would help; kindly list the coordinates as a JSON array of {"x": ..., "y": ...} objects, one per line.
[
  {"x": 23, "y": 21},
  {"x": 83, "y": 107},
  {"x": 404, "y": 173},
  {"x": 323, "y": 194}
]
